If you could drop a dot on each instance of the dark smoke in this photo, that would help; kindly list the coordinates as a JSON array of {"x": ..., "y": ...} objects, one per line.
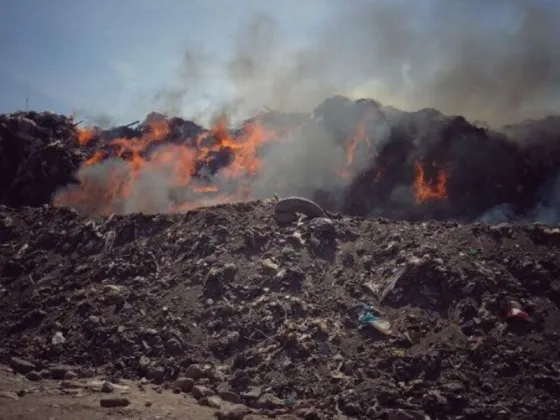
[{"x": 491, "y": 61}]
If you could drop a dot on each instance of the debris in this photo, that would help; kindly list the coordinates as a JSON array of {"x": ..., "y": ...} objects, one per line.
[
  {"x": 367, "y": 318},
  {"x": 514, "y": 309},
  {"x": 21, "y": 366},
  {"x": 114, "y": 402},
  {"x": 321, "y": 224},
  {"x": 285, "y": 210},
  {"x": 58, "y": 338}
]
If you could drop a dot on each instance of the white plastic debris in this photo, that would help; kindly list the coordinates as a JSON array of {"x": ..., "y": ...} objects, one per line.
[{"x": 58, "y": 338}]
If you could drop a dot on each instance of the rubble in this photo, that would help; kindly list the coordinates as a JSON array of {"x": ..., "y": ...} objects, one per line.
[{"x": 272, "y": 329}]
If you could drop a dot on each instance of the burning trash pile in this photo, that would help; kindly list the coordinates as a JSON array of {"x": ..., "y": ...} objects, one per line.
[
  {"x": 290, "y": 306},
  {"x": 355, "y": 157}
]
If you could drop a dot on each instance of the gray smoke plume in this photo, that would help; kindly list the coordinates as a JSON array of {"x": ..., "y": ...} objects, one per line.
[{"x": 492, "y": 61}]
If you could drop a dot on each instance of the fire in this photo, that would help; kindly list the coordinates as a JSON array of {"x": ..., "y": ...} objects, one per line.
[
  {"x": 151, "y": 174},
  {"x": 425, "y": 190},
  {"x": 97, "y": 157},
  {"x": 176, "y": 163},
  {"x": 85, "y": 135},
  {"x": 352, "y": 146}
]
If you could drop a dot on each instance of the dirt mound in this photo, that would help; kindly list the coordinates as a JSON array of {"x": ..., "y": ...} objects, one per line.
[{"x": 224, "y": 301}]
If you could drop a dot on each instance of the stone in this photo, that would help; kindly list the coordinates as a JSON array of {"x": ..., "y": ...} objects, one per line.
[
  {"x": 21, "y": 366},
  {"x": 199, "y": 391},
  {"x": 33, "y": 376},
  {"x": 269, "y": 401},
  {"x": 70, "y": 375},
  {"x": 107, "y": 387},
  {"x": 233, "y": 412},
  {"x": 230, "y": 396},
  {"x": 195, "y": 372},
  {"x": 213, "y": 401},
  {"x": 321, "y": 224},
  {"x": 58, "y": 372},
  {"x": 184, "y": 384},
  {"x": 114, "y": 402}
]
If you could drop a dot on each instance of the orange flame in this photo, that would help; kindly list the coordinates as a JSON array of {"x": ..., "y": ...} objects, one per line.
[
  {"x": 360, "y": 136},
  {"x": 97, "y": 157},
  {"x": 429, "y": 190},
  {"x": 178, "y": 163},
  {"x": 85, "y": 135}
]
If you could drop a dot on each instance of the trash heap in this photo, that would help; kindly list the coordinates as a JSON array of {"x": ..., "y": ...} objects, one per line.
[
  {"x": 38, "y": 154},
  {"x": 284, "y": 309},
  {"x": 414, "y": 166}
]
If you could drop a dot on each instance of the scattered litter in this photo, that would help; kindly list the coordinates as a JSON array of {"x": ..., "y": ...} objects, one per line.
[
  {"x": 366, "y": 318},
  {"x": 514, "y": 309}
]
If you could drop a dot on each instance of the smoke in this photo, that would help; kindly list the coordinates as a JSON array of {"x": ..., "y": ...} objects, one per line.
[{"x": 491, "y": 61}]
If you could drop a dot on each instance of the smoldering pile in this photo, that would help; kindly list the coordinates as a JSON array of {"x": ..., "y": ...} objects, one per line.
[{"x": 357, "y": 157}]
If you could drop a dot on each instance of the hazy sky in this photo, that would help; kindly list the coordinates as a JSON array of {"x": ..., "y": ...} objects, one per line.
[
  {"x": 104, "y": 56},
  {"x": 489, "y": 59}
]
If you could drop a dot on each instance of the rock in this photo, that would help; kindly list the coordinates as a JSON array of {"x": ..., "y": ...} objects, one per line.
[
  {"x": 253, "y": 392},
  {"x": 155, "y": 372},
  {"x": 114, "y": 402},
  {"x": 199, "y": 391},
  {"x": 270, "y": 266},
  {"x": 107, "y": 387},
  {"x": 321, "y": 224},
  {"x": 233, "y": 412},
  {"x": 453, "y": 386},
  {"x": 195, "y": 372},
  {"x": 174, "y": 346},
  {"x": 33, "y": 376},
  {"x": 212, "y": 401},
  {"x": 143, "y": 363},
  {"x": 351, "y": 408},
  {"x": 70, "y": 375},
  {"x": 58, "y": 372},
  {"x": 58, "y": 338},
  {"x": 184, "y": 384},
  {"x": 21, "y": 366},
  {"x": 269, "y": 401},
  {"x": 230, "y": 396}
]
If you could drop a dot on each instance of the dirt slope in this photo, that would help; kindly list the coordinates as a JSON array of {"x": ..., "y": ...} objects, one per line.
[{"x": 231, "y": 303}]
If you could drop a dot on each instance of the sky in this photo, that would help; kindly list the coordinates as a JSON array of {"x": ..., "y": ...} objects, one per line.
[
  {"x": 105, "y": 56},
  {"x": 120, "y": 59}
]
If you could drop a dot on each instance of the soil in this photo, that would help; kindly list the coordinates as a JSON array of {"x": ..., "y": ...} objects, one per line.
[
  {"x": 49, "y": 400},
  {"x": 249, "y": 317}
]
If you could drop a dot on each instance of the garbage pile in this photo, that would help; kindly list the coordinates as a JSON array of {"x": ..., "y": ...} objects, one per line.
[
  {"x": 283, "y": 309},
  {"x": 355, "y": 157},
  {"x": 38, "y": 154}
]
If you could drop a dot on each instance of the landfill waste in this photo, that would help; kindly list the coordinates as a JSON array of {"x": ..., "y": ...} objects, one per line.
[
  {"x": 196, "y": 287},
  {"x": 514, "y": 309},
  {"x": 367, "y": 318}
]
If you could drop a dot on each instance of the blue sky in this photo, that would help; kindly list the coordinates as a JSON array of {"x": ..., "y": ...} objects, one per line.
[{"x": 105, "y": 56}]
